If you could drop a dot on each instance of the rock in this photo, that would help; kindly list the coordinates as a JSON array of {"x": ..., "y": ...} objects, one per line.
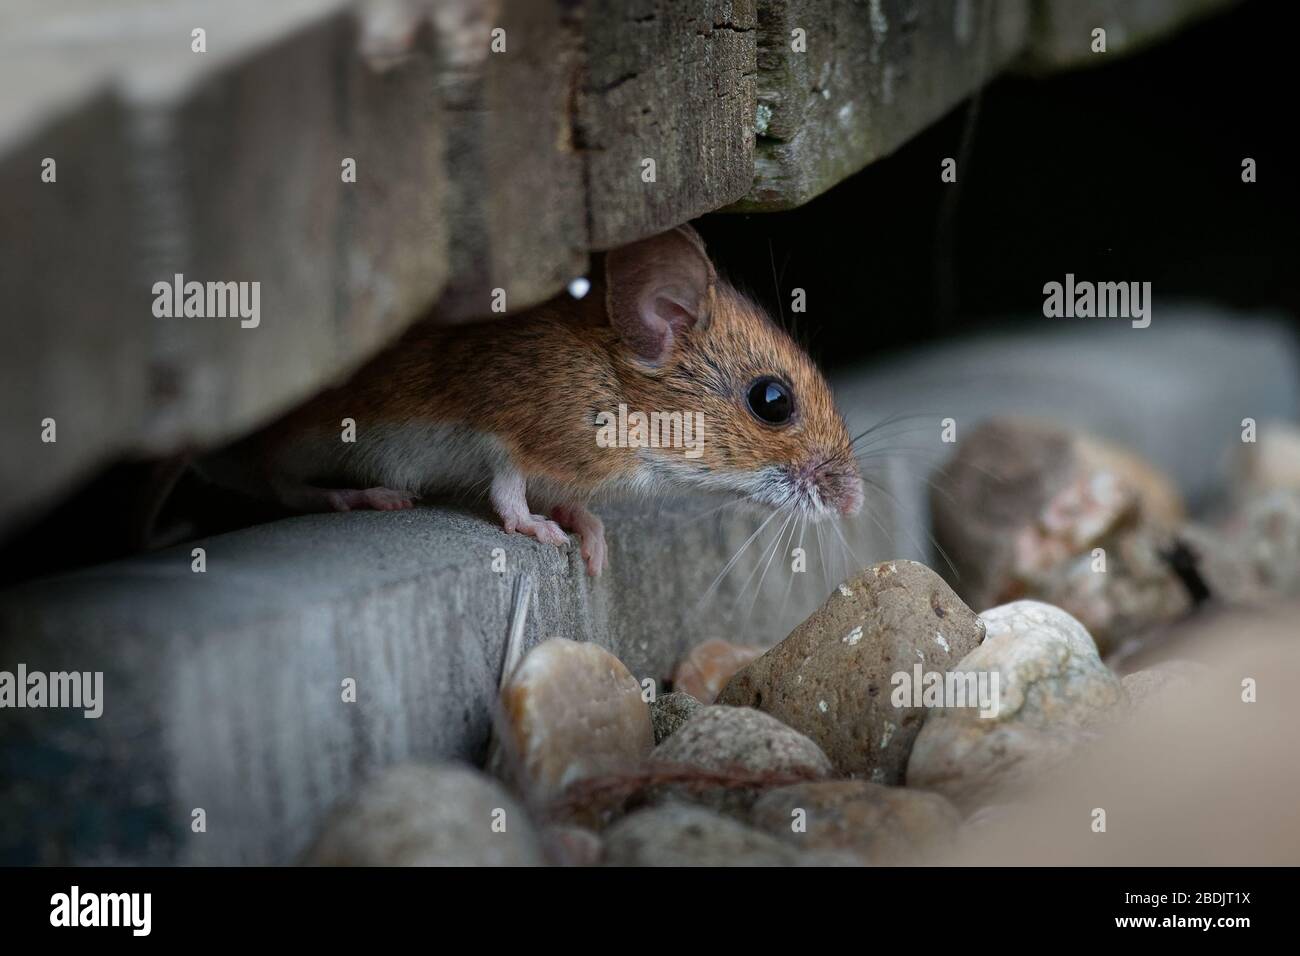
[
  {"x": 991, "y": 816},
  {"x": 881, "y": 824},
  {"x": 418, "y": 815},
  {"x": 1144, "y": 686},
  {"x": 1053, "y": 693},
  {"x": 1270, "y": 463},
  {"x": 572, "y": 711},
  {"x": 670, "y": 711},
  {"x": 704, "y": 671},
  {"x": 682, "y": 835},
  {"x": 734, "y": 740},
  {"x": 1254, "y": 557},
  {"x": 1024, "y": 506},
  {"x": 1269, "y": 540},
  {"x": 570, "y": 845},
  {"x": 1196, "y": 779},
  {"x": 1126, "y": 589},
  {"x": 832, "y": 677},
  {"x": 1157, "y": 495}
]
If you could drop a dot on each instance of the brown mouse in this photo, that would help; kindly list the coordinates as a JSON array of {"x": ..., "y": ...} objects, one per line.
[{"x": 541, "y": 411}]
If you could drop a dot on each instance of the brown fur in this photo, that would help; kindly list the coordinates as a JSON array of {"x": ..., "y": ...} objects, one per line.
[{"x": 538, "y": 381}]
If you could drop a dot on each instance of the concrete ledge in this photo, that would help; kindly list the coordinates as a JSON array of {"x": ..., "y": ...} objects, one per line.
[{"x": 223, "y": 689}]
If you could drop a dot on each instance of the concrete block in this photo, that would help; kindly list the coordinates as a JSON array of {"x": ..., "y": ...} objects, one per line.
[{"x": 223, "y": 689}]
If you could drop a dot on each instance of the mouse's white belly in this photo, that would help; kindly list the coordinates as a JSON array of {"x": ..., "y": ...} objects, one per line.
[{"x": 420, "y": 457}]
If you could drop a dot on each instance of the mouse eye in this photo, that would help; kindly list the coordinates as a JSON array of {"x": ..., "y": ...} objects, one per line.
[{"x": 770, "y": 401}]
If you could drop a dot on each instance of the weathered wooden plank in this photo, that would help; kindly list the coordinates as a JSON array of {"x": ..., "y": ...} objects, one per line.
[
  {"x": 72, "y": 352},
  {"x": 1063, "y": 29},
  {"x": 842, "y": 83},
  {"x": 220, "y": 165},
  {"x": 517, "y": 210},
  {"x": 671, "y": 83}
]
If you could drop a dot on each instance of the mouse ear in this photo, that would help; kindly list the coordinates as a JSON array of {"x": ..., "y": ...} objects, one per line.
[{"x": 657, "y": 289}]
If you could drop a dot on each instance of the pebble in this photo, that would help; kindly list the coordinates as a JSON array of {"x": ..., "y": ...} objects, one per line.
[
  {"x": 833, "y": 678},
  {"x": 683, "y": 835},
  {"x": 720, "y": 740},
  {"x": 705, "y": 670},
  {"x": 1145, "y": 686},
  {"x": 1158, "y": 497},
  {"x": 1270, "y": 463},
  {"x": 1253, "y": 557},
  {"x": 1023, "y": 505},
  {"x": 569, "y": 845},
  {"x": 573, "y": 711},
  {"x": 1054, "y": 694},
  {"x": 670, "y": 711},
  {"x": 418, "y": 815},
  {"x": 883, "y": 825},
  {"x": 1137, "y": 591}
]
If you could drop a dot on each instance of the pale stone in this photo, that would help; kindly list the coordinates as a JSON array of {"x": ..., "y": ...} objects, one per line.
[
  {"x": 418, "y": 815},
  {"x": 704, "y": 671},
  {"x": 1054, "y": 693},
  {"x": 833, "y": 678},
  {"x": 573, "y": 711}
]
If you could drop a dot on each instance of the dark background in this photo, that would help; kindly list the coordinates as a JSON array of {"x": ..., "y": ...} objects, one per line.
[{"x": 1128, "y": 171}]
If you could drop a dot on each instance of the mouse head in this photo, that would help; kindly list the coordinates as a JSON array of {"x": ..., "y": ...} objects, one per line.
[{"x": 756, "y": 416}]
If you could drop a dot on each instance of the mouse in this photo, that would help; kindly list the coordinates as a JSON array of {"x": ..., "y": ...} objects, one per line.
[{"x": 663, "y": 378}]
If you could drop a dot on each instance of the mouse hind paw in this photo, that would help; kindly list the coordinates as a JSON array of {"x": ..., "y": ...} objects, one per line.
[
  {"x": 589, "y": 529},
  {"x": 511, "y": 505}
]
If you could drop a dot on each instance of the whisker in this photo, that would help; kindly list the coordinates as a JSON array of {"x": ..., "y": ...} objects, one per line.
[
  {"x": 772, "y": 546},
  {"x": 910, "y": 537},
  {"x": 821, "y": 555},
  {"x": 895, "y": 419},
  {"x": 789, "y": 521},
  {"x": 847, "y": 547},
  {"x": 734, "y": 558},
  {"x": 708, "y": 512}
]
